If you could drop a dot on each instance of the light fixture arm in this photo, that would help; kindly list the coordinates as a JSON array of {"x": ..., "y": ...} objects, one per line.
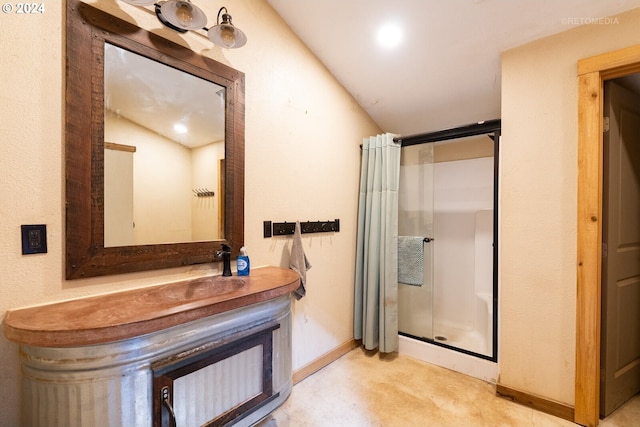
[
  {"x": 225, "y": 13},
  {"x": 218, "y": 19}
]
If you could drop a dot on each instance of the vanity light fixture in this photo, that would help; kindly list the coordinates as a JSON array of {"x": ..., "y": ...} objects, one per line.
[
  {"x": 226, "y": 34},
  {"x": 182, "y": 16}
]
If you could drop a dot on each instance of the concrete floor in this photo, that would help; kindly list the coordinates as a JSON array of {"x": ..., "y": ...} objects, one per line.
[{"x": 365, "y": 389}]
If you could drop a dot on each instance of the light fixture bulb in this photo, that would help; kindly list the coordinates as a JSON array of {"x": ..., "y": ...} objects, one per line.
[
  {"x": 184, "y": 14},
  {"x": 228, "y": 37},
  {"x": 180, "y": 15}
]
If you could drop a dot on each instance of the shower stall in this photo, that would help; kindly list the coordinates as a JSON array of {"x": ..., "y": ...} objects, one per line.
[{"x": 448, "y": 203}]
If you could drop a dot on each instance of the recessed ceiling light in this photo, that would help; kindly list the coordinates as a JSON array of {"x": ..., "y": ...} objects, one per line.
[
  {"x": 180, "y": 128},
  {"x": 390, "y": 35}
]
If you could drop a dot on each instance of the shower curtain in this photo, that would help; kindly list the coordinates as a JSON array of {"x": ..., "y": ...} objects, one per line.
[{"x": 376, "y": 279}]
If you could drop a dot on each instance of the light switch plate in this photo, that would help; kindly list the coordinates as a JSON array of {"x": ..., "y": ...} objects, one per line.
[{"x": 34, "y": 239}]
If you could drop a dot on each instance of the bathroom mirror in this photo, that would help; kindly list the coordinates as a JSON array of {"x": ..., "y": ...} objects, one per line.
[{"x": 90, "y": 252}]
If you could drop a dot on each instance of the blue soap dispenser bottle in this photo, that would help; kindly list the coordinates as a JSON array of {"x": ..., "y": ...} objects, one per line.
[{"x": 243, "y": 262}]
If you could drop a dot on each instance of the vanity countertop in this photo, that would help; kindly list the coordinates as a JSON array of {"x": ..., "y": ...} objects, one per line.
[{"x": 127, "y": 314}]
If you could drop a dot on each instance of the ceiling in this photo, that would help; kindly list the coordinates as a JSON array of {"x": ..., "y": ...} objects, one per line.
[
  {"x": 176, "y": 105},
  {"x": 445, "y": 72}
]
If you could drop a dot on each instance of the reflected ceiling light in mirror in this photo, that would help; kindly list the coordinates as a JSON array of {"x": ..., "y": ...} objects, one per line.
[
  {"x": 182, "y": 16},
  {"x": 180, "y": 128}
]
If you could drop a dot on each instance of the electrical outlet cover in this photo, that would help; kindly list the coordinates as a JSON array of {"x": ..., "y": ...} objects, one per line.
[{"x": 34, "y": 239}]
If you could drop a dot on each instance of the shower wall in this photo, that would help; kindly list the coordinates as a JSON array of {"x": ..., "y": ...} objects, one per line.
[{"x": 462, "y": 190}]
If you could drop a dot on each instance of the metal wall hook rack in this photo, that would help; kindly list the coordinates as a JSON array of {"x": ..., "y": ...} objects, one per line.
[
  {"x": 284, "y": 228},
  {"x": 203, "y": 192}
]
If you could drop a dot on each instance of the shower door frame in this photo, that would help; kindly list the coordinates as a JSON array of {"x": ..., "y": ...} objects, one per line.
[{"x": 487, "y": 127}]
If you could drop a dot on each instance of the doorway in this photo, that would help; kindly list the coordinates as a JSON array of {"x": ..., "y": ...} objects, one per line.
[
  {"x": 620, "y": 328},
  {"x": 592, "y": 72}
]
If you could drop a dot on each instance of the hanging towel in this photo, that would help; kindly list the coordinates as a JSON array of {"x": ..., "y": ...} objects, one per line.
[
  {"x": 411, "y": 260},
  {"x": 298, "y": 262}
]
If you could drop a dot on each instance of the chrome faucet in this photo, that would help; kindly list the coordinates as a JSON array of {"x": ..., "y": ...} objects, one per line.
[{"x": 225, "y": 253}]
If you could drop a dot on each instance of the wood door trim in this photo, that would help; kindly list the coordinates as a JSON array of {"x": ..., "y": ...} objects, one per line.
[{"x": 591, "y": 74}]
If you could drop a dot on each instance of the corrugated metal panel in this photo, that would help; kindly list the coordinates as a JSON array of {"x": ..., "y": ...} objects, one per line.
[{"x": 211, "y": 391}]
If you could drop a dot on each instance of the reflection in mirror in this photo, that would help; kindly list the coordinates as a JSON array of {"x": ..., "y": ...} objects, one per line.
[{"x": 164, "y": 139}]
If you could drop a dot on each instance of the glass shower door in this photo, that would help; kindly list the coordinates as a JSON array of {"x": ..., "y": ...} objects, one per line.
[
  {"x": 447, "y": 196},
  {"x": 415, "y": 218}
]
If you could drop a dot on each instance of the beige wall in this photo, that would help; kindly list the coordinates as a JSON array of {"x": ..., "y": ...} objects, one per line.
[
  {"x": 538, "y": 205},
  {"x": 302, "y": 162}
]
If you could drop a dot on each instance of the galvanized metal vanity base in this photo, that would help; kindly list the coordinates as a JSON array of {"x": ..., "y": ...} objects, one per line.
[{"x": 232, "y": 368}]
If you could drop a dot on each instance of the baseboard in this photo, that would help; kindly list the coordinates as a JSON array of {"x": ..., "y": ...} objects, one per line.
[
  {"x": 324, "y": 360},
  {"x": 552, "y": 407}
]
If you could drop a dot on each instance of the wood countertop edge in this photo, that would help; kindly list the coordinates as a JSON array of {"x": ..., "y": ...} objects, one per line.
[{"x": 111, "y": 333}]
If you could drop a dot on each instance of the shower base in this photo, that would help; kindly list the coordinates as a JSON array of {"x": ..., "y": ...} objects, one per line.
[
  {"x": 465, "y": 339},
  {"x": 473, "y": 366}
]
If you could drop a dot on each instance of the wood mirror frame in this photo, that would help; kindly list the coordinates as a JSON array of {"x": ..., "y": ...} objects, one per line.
[{"x": 87, "y": 30}]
